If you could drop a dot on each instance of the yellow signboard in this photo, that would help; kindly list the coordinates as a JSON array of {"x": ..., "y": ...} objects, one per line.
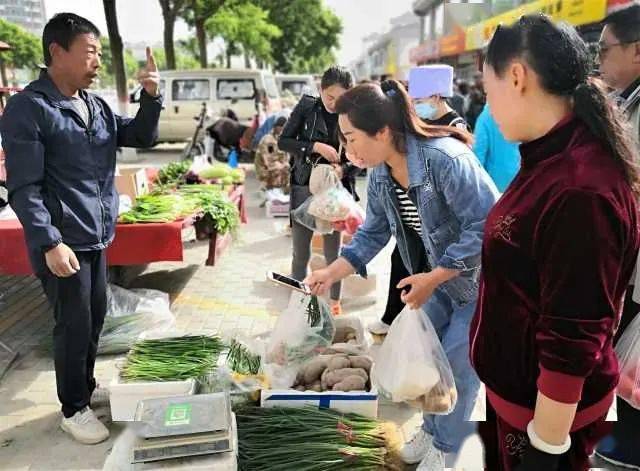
[{"x": 575, "y": 12}]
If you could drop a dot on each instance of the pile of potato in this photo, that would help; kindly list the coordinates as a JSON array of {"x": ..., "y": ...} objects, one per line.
[{"x": 338, "y": 372}]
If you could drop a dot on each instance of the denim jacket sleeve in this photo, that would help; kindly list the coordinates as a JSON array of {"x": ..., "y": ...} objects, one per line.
[
  {"x": 372, "y": 236},
  {"x": 470, "y": 194},
  {"x": 23, "y": 143}
]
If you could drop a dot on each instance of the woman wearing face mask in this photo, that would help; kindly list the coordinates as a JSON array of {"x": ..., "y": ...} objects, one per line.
[
  {"x": 311, "y": 137},
  {"x": 446, "y": 196},
  {"x": 427, "y": 85},
  {"x": 559, "y": 250}
]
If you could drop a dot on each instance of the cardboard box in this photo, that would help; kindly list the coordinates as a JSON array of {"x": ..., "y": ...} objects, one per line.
[
  {"x": 359, "y": 402},
  {"x": 132, "y": 182}
]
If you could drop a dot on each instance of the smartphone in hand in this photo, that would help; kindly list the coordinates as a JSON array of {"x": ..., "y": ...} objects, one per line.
[{"x": 288, "y": 282}]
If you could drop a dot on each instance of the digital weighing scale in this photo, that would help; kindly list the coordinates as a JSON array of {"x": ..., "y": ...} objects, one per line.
[{"x": 175, "y": 427}]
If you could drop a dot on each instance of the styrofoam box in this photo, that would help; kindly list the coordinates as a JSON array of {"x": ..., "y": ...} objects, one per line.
[
  {"x": 359, "y": 402},
  {"x": 276, "y": 209},
  {"x": 124, "y": 397}
]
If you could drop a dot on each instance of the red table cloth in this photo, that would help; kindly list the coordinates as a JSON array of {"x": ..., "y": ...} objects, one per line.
[{"x": 134, "y": 244}]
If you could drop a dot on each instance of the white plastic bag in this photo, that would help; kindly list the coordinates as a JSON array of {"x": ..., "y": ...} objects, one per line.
[
  {"x": 301, "y": 216},
  {"x": 130, "y": 314},
  {"x": 302, "y": 331},
  {"x": 628, "y": 351},
  {"x": 412, "y": 367}
]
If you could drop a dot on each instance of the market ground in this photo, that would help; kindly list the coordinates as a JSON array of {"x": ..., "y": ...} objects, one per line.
[{"x": 231, "y": 296}]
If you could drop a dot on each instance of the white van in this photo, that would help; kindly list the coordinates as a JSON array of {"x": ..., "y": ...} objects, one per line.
[
  {"x": 184, "y": 92},
  {"x": 297, "y": 84}
]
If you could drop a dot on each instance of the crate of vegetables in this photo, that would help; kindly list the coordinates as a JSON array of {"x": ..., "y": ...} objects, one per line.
[
  {"x": 334, "y": 381},
  {"x": 162, "y": 367}
]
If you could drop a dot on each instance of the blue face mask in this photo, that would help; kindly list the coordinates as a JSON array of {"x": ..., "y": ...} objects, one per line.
[{"x": 426, "y": 110}]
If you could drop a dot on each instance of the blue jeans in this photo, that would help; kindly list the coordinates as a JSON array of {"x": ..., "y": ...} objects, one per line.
[{"x": 452, "y": 323}]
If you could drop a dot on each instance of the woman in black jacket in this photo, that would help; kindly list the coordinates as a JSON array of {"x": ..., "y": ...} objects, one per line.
[{"x": 311, "y": 138}]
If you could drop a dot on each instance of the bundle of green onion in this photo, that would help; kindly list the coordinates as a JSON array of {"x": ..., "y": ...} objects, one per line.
[
  {"x": 305, "y": 439},
  {"x": 241, "y": 360},
  {"x": 160, "y": 208},
  {"x": 172, "y": 359}
]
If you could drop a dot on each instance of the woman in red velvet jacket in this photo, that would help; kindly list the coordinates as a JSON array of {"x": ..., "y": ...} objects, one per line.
[{"x": 558, "y": 253}]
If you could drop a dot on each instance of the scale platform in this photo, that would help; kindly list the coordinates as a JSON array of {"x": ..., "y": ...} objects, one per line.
[{"x": 177, "y": 427}]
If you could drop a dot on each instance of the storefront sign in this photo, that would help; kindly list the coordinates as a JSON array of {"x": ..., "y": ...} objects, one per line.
[
  {"x": 453, "y": 44},
  {"x": 424, "y": 52},
  {"x": 575, "y": 12}
]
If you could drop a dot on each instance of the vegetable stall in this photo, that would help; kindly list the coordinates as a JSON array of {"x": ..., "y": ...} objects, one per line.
[{"x": 152, "y": 230}]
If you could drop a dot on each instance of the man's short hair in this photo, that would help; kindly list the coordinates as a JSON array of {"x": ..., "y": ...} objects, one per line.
[
  {"x": 625, "y": 23},
  {"x": 62, "y": 29}
]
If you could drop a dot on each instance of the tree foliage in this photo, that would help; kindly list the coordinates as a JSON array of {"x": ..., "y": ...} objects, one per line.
[
  {"x": 131, "y": 65},
  {"x": 310, "y": 34},
  {"x": 26, "y": 48},
  {"x": 247, "y": 25}
]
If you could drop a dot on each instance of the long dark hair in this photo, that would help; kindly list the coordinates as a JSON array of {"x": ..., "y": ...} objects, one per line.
[
  {"x": 562, "y": 62},
  {"x": 372, "y": 107}
]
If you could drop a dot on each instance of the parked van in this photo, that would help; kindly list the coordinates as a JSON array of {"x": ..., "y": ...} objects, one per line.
[
  {"x": 297, "y": 84},
  {"x": 184, "y": 92}
]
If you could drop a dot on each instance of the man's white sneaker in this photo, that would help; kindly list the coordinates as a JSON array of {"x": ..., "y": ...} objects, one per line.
[
  {"x": 433, "y": 460},
  {"x": 416, "y": 449},
  {"x": 378, "y": 328},
  {"x": 85, "y": 427},
  {"x": 100, "y": 397}
]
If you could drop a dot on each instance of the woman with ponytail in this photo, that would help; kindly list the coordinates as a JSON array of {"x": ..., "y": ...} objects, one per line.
[
  {"x": 426, "y": 189},
  {"x": 559, "y": 250}
]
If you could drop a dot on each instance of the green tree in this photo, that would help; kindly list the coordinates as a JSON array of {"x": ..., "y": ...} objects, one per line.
[
  {"x": 196, "y": 15},
  {"x": 171, "y": 9},
  {"x": 311, "y": 33},
  {"x": 244, "y": 24},
  {"x": 107, "y": 73},
  {"x": 183, "y": 59},
  {"x": 26, "y": 48}
]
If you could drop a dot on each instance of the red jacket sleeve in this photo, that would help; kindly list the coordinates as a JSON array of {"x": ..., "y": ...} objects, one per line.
[{"x": 579, "y": 247}]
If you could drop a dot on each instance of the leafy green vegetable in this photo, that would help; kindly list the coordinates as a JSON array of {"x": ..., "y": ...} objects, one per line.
[{"x": 173, "y": 172}]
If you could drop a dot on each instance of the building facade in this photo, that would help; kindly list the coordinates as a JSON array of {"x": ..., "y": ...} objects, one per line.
[{"x": 30, "y": 14}]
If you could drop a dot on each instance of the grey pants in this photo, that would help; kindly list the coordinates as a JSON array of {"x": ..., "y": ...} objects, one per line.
[{"x": 302, "y": 253}]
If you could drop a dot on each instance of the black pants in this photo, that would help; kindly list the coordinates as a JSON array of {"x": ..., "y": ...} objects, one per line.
[
  {"x": 79, "y": 306},
  {"x": 398, "y": 273}
]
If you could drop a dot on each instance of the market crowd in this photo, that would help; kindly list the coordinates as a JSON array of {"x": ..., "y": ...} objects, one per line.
[{"x": 512, "y": 200}]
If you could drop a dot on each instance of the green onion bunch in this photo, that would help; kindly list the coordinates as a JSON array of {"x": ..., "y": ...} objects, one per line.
[
  {"x": 306, "y": 439},
  {"x": 172, "y": 359}
]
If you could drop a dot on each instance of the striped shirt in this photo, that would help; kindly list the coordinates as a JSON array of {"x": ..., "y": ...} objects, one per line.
[{"x": 408, "y": 211}]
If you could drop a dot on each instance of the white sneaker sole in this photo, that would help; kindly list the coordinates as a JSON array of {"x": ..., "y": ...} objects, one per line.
[
  {"x": 617, "y": 463},
  {"x": 84, "y": 441}
]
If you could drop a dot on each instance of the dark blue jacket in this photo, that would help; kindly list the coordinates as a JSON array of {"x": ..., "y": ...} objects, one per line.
[{"x": 60, "y": 172}]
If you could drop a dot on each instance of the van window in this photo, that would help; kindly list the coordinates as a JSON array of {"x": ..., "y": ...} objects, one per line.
[
  {"x": 162, "y": 87},
  {"x": 229, "y": 89},
  {"x": 296, "y": 87},
  {"x": 190, "y": 89},
  {"x": 270, "y": 84}
]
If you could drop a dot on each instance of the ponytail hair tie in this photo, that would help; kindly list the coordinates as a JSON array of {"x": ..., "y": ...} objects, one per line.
[{"x": 390, "y": 93}]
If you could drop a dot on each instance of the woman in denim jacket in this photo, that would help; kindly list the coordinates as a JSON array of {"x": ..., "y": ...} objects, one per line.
[{"x": 427, "y": 190}]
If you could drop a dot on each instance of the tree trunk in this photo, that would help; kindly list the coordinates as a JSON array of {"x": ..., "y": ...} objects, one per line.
[
  {"x": 228, "y": 53},
  {"x": 115, "y": 43},
  {"x": 247, "y": 60},
  {"x": 3, "y": 74},
  {"x": 260, "y": 64},
  {"x": 169, "y": 49},
  {"x": 170, "y": 10},
  {"x": 201, "y": 35}
]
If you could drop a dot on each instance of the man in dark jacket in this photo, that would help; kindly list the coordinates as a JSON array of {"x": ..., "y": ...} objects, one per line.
[{"x": 60, "y": 144}]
